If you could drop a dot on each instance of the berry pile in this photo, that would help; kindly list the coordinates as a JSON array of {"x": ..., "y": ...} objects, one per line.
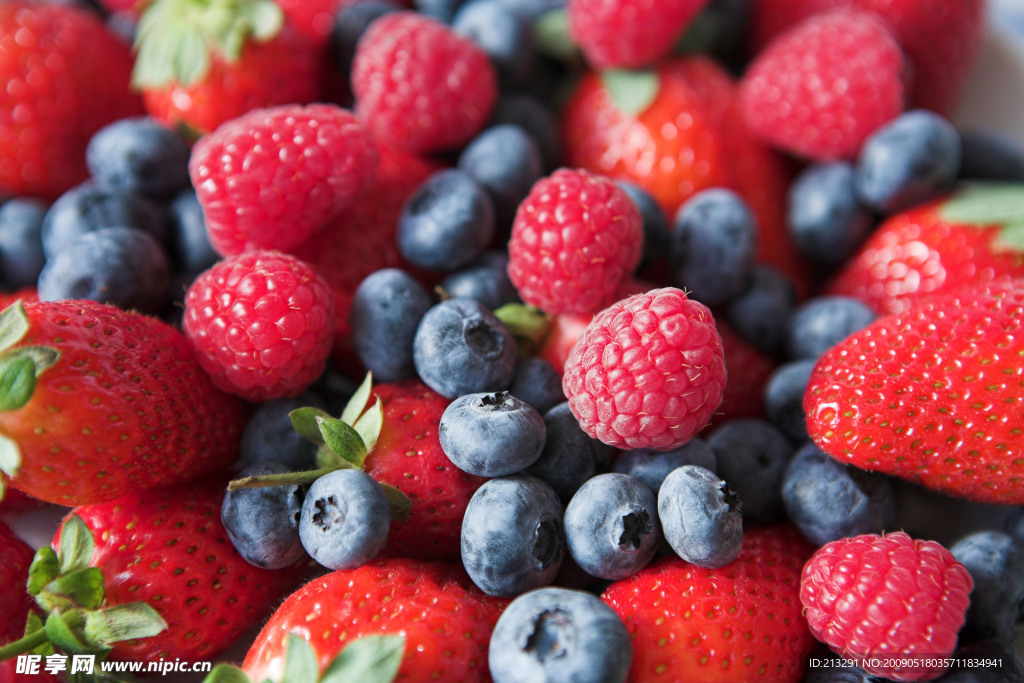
[{"x": 500, "y": 341}]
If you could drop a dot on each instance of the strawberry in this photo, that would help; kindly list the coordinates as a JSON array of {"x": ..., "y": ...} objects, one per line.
[
  {"x": 970, "y": 236},
  {"x": 313, "y": 19},
  {"x": 66, "y": 76},
  {"x": 97, "y": 402},
  {"x": 740, "y": 622},
  {"x": 749, "y": 370},
  {"x": 15, "y": 557},
  {"x": 932, "y": 395}
]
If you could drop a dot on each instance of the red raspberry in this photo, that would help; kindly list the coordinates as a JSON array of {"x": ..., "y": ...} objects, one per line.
[
  {"x": 825, "y": 85},
  {"x": 575, "y": 241},
  {"x": 887, "y": 596},
  {"x": 271, "y": 178},
  {"x": 260, "y": 324},
  {"x": 419, "y": 86},
  {"x": 648, "y": 372},
  {"x": 628, "y": 32}
]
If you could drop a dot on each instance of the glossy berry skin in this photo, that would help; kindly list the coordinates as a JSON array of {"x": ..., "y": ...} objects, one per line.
[
  {"x": 491, "y": 435},
  {"x": 537, "y": 383},
  {"x": 738, "y": 622},
  {"x": 263, "y": 523},
  {"x": 569, "y": 458},
  {"x": 655, "y": 224},
  {"x": 760, "y": 314},
  {"x": 576, "y": 239},
  {"x": 590, "y": 640},
  {"x": 990, "y": 155},
  {"x": 21, "y": 245},
  {"x": 825, "y": 219},
  {"x": 485, "y": 280},
  {"x": 259, "y": 324},
  {"x": 536, "y": 118},
  {"x": 139, "y": 155},
  {"x": 648, "y": 371},
  {"x": 345, "y": 519},
  {"x": 957, "y": 390},
  {"x": 855, "y": 591},
  {"x": 506, "y": 161},
  {"x": 190, "y": 247},
  {"x": 503, "y": 33},
  {"x": 752, "y": 456},
  {"x": 512, "y": 538},
  {"x": 88, "y": 208},
  {"x": 784, "y": 398},
  {"x": 272, "y": 177},
  {"x": 15, "y": 602},
  {"x": 419, "y": 86},
  {"x": 995, "y": 561},
  {"x": 270, "y": 437},
  {"x": 651, "y": 467},
  {"x": 701, "y": 517},
  {"x": 821, "y": 323},
  {"x": 782, "y": 98}
]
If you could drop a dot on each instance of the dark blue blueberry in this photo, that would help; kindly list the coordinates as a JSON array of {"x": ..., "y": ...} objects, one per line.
[
  {"x": 512, "y": 538},
  {"x": 139, "y": 156},
  {"x": 461, "y": 348},
  {"x": 263, "y": 523},
  {"x": 345, "y": 519},
  {"x": 350, "y": 23},
  {"x": 485, "y": 280},
  {"x": 714, "y": 243},
  {"x": 988, "y": 155},
  {"x": 334, "y": 390},
  {"x": 506, "y": 162},
  {"x": 719, "y": 30},
  {"x": 446, "y": 223},
  {"x": 442, "y": 10},
  {"x": 491, "y": 435},
  {"x": 386, "y": 310},
  {"x": 823, "y": 322},
  {"x": 828, "y": 501},
  {"x": 831, "y": 670},
  {"x": 534, "y": 8},
  {"x": 270, "y": 437},
  {"x": 784, "y": 398},
  {"x": 752, "y": 456},
  {"x": 568, "y": 457},
  {"x": 907, "y": 161},
  {"x": 124, "y": 267},
  {"x": 527, "y": 112},
  {"x": 611, "y": 526},
  {"x": 1015, "y": 524},
  {"x": 88, "y": 207},
  {"x": 996, "y": 563},
  {"x": 555, "y": 635},
  {"x": 701, "y": 517},
  {"x": 826, "y": 221},
  {"x": 656, "y": 231},
  {"x": 21, "y": 245},
  {"x": 761, "y": 313},
  {"x": 189, "y": 242},
  {"x": 651, "y": 467},
  {"x": 986, "y": 661},
  {"x": 501, "y": 32},
  {"x": 538, "y": 383}
]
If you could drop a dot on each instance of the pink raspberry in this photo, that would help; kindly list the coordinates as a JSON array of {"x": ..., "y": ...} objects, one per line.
[
  {"x": 648, "y": 372},
  {"x": 629, "y": 32},
  {"x": 272, "y": 177},
  {"x": 419, "y": 86},
  {"x": 887, "y": 597},
  {"x": 576, "y": 240},
  {"x": 260, "y": 324}
]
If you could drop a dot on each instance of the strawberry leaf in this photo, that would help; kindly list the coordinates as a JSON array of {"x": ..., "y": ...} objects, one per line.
[
  {"x": 398, "y": 502},
  {"x": 76, "y": 545},
  {"x": 225, "y": 673},
  {"x": 357, "y": 404},
  {"x": 10, "y": 456},
  {"x": 64, "y": 629},
  {"x": 122, "y": 622},
  {"x": 371, "y": 659},
  {"x": 986, "y": 205},
  {"x": 299, "y": 661},
  {"x": 82, "y": 588},
  {"x": 13, "y": 325},
  {"x": 44, "y": 569},
  {"x": 343, "y": 440},
  {"x": 632, "y": 91},
  {"x": 552, "y": 38},
  {"x": 17, "y": 382},
  {"x": 368, "y": 426},
  {"x": 304, "y": 422}
]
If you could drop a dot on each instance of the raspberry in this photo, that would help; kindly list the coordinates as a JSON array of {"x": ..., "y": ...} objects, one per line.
[
  {"x": 648, "y": 372},
  {"x": 576, "y": 239},
  {"x": 887, "y": 596},
  {"x": 260, "y": 324},
  {"x": 271, "y": 178},
  {"x": 821, "y": 88},
  {"x": 419, "y": 86}
]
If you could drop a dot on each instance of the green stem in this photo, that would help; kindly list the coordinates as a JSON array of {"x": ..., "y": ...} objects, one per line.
[
  {"x": 26, "y": 644},
  {"x": 287, "y": 479}
]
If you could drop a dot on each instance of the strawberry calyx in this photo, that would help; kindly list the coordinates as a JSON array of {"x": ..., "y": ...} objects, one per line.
[
  {"x": 632, "y": 91},
  {"x": 528, "y": 324},
  {"x": 986, "y": 205}
]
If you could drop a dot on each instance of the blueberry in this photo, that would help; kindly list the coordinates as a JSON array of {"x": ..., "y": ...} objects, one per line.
[
  {"x": 996, "y": 563},
  {"x": 656, "y": 231},
  {"x": 537, "y": 383},
  {"x": 988, "y": 155},
  {"x": 752, "y": 456},
  {"x": 345, "y": 519},
  {"x": 568, "y": 457},
  {"x": 534, "y": 8},
  {"x": 334, "y": 390},
  {"x": 825, "y": 220},
  {"x": 88, "y": 207},
  {"x": 714, "y": 242},
  {"x": 506, "y": 36},
  {"x": 833, "y": 670},
  {"x": 461, "y": 348},
  {"x": 386, "y": 310},
  {"x": 21, "y": 245},
  {"x": 190, "y": 247},
  {"x": 269, "y": 436},
  {"x": 611, "y": 526},
  {"x": 350, "y": 23},
  {"x": 484, "y": 280},
  {"x": 506, "y": 162},
  {"x": 263, "y": 523},
  {"x": 761, "y": 313},
  {"x": 512, "y": 538},
  {"x": 651, "y": 467},
  {"x": 446, "y": 223},
  {"x": 442, "y": 10},
  {"x": 1002, "y": 664},
  {"x": 784, "y": 398},
  {"x": 139, "y": 155},
  {"x": 823, "y": 322},
  {"x": 1015, "y": 524},
  {"x": 828, "y": 501},
  {"x": 124, "y": 267},
  {"x": 491, "y": 435},
  {"x": 554, "y": 635},
  {"x": 527, "y": 112},
  {"x": 907, "y": 161},
  {"x": 701, "y": 517}
]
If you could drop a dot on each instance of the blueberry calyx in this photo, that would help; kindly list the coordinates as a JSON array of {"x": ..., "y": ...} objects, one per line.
[{"x": 547, "y": 640}]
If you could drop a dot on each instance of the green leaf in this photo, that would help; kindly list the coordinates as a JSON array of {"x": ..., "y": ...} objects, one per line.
[
  {"x": 357, "y": 404},
  {"x": 17, "y": 382},
  {"x": 299, "y": 661},
  {"x": 304, "y": 422},
  {"x": 284, "y": 479},
  {"x": 265, "y": 19},
  {"x": 368, "y": 426},
  {"x": 527, "y": 324},
  {"x": 82, "y": 588},
  {"x": 10, "y": 456},
  {"x": 76, "y": 545},
  {"x": 371, "y": 659},
  {"x": 986, "y": 205},
  {"x": 343, "y": 440},
  {"x": 44, "y": 569},
  {"x": 1011, "y": 238},
  {"x": 632, "y": 91},
  {"x": 13, "y": 325},
  {"x": 328, "y": 459},
  {"x": 551, "y": 36},
  {"x": 64, "y": 629},
  {"x": 398, "y": 502},
  {"x": 225, "y": 673},
  {"x": 123, "y": 622},
  {"x": 34, "y": 625}
]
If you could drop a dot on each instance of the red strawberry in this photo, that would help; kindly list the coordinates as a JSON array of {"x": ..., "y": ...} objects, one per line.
[
  {"x": 98, "y": 402},
  {"x": 13, "y": 500},
  {"x": 970, "y": 237},
  {"x": 741, "y": 622},
  {"x": 313, "y": 19},
  {"x": 446, "y": 621},
  {"x": 26, "y": 294},
  {"x": 65, "y": 76},
  {"x": 15, "y": 557},
  {"x": 932, "y": 395}
]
